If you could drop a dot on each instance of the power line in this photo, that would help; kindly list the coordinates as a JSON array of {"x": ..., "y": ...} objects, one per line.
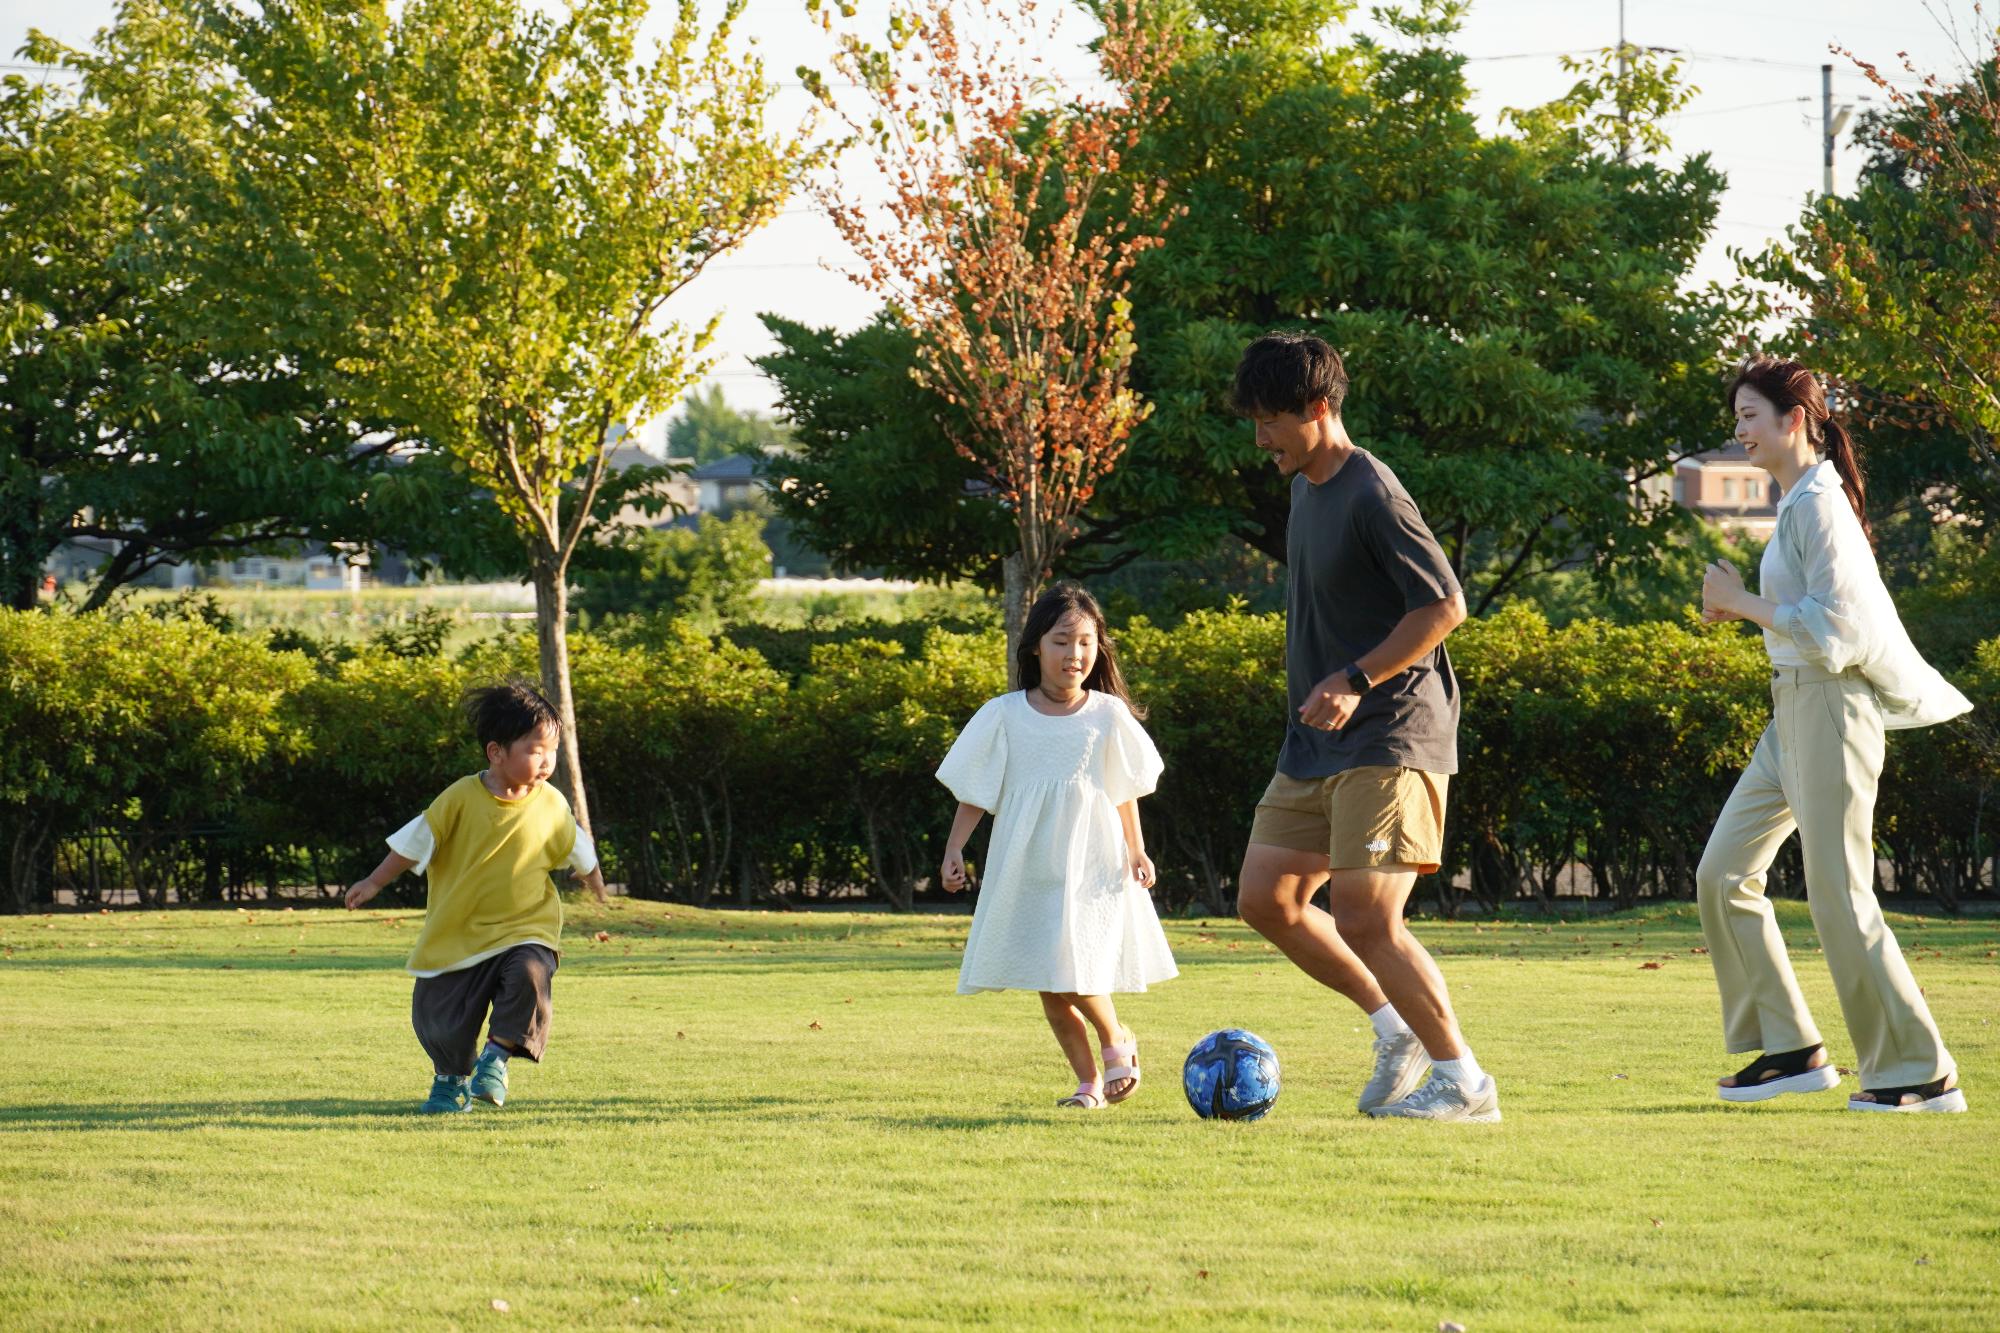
[{"x": 1747, "y": 106}]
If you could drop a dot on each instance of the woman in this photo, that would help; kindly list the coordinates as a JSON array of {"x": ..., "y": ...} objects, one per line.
[{"x": 1842, "y": 672}]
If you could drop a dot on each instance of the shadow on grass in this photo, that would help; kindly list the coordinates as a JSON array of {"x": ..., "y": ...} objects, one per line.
[
  {"x": 342, "y": 1112},
  {"x": 956, "y": 1123},
  {"x": 70, "y": 962}
]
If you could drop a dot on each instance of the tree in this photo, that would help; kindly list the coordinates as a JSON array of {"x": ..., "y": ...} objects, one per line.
[
  {"x": 708, "y": 428},
  {"x": 1899, "y": 282},
  {"x": 871, "y": 479},
  {"x": 995, "y": 250},
  {"x": 1510, "y": 305},
  {"x": 496, "y": 204},
  {"x": 144, "y": 406},
  {"x": 708, "y": 571}
]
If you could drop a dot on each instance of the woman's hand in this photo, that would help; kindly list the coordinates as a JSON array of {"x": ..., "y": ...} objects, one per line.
[
  {"x": 952, "y": 872},
  {"x": 1142, "y": 870},
  {"x": 1722, "y": 593}
]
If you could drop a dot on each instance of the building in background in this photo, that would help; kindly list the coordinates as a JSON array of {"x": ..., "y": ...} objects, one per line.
[{"x": 1726, "y": 488}]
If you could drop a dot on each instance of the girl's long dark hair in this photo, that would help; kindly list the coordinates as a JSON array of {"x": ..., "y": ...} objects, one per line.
[
  {"x": 1048, "y": 612},
  {"x": 1788, "y": 385}
]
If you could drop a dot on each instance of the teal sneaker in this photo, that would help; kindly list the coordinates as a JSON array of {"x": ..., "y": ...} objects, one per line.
[
  {"x": 489, "y": 1079},
  {"x": 448, "y": 1093}
]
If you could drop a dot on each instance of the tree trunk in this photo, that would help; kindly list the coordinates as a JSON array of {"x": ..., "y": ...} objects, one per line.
[
  {"x": 23, "y": 546},
  {"x": 1021, "y": 586},
  {"x": 552, "y": 638}
]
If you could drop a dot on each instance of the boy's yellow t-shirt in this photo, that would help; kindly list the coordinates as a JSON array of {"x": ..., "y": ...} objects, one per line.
[{"x": 489, "y": 885}]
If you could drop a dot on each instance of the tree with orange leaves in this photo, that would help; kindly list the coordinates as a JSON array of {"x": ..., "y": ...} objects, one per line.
[
  {"x": 1900, "y": 280},
  {"x": 999, "y": 243}
]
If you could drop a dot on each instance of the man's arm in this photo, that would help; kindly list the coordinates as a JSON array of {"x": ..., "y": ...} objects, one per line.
[{"x": 1333, "y": 701}]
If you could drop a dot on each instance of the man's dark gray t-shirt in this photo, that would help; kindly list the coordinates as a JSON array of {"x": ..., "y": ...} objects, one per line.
[{"x": 1360, "y": 559}]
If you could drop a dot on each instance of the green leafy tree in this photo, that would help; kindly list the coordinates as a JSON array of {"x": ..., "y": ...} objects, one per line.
[
  {"x": 1896, "y": 287},
  {"x": 497, "y": 203},
  {"x": 1510, "y": 305},
  {"x": 872, "y": 480},
  {"x": 707, "y": 428},
  {"x": 146, "y": 407},
  {"x": 708, "y": 572}
]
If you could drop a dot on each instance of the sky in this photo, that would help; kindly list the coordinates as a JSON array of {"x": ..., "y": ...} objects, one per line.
[{"x": 1756, "y": 63}]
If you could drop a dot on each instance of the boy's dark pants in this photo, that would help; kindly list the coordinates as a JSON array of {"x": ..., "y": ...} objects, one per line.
[{"x": 447, "y": 1010}]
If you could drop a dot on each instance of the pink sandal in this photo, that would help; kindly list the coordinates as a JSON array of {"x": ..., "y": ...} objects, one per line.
[
  {"x": 1087, "y": 1097},
  {"x": 1126, "y": 1055}
]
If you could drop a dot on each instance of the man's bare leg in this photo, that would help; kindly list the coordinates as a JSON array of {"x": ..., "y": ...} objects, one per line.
[
  {"x": 1368, "y": 914},
  {"x": 1274, "y": 894}
]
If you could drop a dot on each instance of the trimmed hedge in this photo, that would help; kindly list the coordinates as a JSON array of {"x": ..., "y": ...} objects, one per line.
[{"x": 188, "y": 763}]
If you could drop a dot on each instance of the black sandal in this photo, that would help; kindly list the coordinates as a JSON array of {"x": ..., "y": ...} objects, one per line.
[
  {"x": 1931, "y": 1096},
  {"x": 1773, "y": 1075}
]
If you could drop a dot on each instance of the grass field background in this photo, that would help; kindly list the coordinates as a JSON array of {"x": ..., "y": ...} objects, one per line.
[{"x": 770, "y": 1120}]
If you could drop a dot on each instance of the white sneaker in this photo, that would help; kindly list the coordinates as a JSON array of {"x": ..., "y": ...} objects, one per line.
[
  {"x": 1400, "y": 1065},
  {"x": 1441, "y": 1100}
]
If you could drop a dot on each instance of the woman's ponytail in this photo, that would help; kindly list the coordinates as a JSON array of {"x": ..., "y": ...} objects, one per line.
[{"x": 1840, "y": 448}]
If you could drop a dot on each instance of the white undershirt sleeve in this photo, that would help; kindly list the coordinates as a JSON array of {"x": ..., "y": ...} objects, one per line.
[
  {"x": 416, "y": 842},
  {"x": 583, "y": 856}
]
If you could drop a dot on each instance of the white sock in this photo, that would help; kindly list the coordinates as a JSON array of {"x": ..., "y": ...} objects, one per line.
[
  {"x": 1387, "y": 1022},
  {"x": 1464, "y": 1071}
]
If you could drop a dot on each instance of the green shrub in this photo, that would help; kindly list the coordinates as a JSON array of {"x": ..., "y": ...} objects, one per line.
[
  {"x": 1214, "y": 691},
  {"x": 177, "y": 759},
  {"x": 144, "y": 730},
  {"x": 872, "y": 724}
]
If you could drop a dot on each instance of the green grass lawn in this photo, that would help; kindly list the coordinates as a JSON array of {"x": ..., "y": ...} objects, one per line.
[{"x": 770, "y": 1120}]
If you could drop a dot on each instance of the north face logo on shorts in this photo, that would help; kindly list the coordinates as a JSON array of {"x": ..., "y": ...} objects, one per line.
[{"x": 1379, "y": 845}]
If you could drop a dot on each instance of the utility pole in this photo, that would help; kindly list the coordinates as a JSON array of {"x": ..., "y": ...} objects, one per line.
[
  {"x": 1831, "y": 123},
  {"x": 1624, "y": 112}
]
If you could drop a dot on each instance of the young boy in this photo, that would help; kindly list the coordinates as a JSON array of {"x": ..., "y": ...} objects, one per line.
[{"x": 491, "y": 916}]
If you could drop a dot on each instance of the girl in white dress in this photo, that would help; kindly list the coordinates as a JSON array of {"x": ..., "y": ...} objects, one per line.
[{"x": 1066, "y": 908}]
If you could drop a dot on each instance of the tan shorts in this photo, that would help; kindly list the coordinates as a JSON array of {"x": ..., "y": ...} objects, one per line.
[{"x": 1376, "y": 816}]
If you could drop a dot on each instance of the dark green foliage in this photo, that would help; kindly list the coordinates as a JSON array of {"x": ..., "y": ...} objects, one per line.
[
  {"x": 159, "y": 401},
  {"x": 125, "y": 743},
  {"x": 873, "y": 481},
  {"x": 708, "y": 572},
  {"x": 1510, "y": 307},
  {"x": 183, "y": 761}
]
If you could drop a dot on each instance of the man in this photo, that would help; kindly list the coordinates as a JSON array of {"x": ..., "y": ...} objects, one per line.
[{"x": 1371, "y": 738}]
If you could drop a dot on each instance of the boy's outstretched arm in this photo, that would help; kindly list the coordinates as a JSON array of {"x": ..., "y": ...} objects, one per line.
[{"x": 378, "y": 879}]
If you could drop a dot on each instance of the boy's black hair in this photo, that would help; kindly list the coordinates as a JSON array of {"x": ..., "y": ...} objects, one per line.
[
  {"x": 502, "y": 714},
  {"x": 1286, "y": 372}
]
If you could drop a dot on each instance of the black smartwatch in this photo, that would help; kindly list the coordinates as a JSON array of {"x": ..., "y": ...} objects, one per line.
[{"x": 1358, "y": 681}]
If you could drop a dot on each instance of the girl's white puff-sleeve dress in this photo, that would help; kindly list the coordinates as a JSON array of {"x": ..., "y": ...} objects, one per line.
[{"x": 1058, "y": 909}]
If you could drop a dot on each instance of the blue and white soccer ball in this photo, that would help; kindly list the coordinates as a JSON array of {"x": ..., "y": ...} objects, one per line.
[{"x": 1231, "y": 1075}]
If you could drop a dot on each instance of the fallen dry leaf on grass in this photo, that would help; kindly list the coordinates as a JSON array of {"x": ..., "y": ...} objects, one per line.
[
  {"x": 1651, "y": 967},
  {"x": 602, "y": 937},
  {"x": 814, "y": 1025}
]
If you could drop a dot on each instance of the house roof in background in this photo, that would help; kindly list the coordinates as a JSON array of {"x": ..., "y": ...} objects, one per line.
[{"x": 736, "y": 467}]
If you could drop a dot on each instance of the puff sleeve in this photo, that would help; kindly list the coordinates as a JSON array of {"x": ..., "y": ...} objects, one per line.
[
  {"x": 1132, "y": 765},
  {"x": 976, "y": 765},
  {"x": 1830, "y": 622}
]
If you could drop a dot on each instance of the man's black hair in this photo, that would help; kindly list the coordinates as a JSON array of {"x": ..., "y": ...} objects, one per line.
[
  {"x": 502, "y": 714},
  {"x": 1286, "y": 372}
]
